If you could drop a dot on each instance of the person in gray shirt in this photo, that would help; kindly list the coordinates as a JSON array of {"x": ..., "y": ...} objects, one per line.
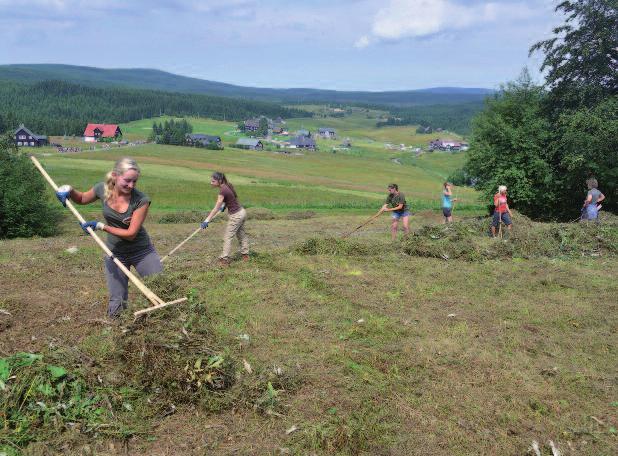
[
  {"x": 591, "y": 203},
  {"x": 124, "y": 209}
]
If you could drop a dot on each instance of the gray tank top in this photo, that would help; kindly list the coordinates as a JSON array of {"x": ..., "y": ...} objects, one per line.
[{"x": 122, "y": 220}]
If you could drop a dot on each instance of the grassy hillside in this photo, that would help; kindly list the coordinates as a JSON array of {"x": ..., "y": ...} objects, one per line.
[
  {"x": 160, "y": 80},
  {"x": 316, "y": 346},
  {"x": 177, "y": 178}
]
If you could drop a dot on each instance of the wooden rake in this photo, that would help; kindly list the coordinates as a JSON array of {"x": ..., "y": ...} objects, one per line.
[
  {"x": 190, "y": 236},
  {"x": 157, "y": 303},
  {"x": 363, "y": 224}
]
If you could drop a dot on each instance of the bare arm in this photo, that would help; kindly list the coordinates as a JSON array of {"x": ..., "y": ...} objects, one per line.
[
  {"x": 601, "y": 198},
  {"x": 83, "y": 197},
  {"x": 137, "y": 219},
  {"x": 215, "y": 209},
  {"x": 391, "y": 209}
]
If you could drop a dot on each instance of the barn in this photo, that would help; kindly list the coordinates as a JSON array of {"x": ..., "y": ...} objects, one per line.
[{"x": 94, "y": 132}]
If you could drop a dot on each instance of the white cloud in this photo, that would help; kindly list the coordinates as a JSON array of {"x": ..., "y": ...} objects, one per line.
[
  {"x": 362, "y": 42},
  {"x": 401, "y": 19}
]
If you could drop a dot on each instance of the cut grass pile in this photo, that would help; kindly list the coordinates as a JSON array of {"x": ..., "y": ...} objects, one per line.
[{"x": 470, "y": 240}]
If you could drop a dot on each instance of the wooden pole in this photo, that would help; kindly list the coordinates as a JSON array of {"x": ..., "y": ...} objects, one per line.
[
  {"x": 188, "y": 238},
  {"x": 153, "y": 298},
  {"x": 362, "y": 225}
]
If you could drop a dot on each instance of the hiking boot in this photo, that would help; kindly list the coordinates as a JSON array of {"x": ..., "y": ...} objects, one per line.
[
  {"x": 245, "y": 257},
  {"x": 224, "y": 262}
]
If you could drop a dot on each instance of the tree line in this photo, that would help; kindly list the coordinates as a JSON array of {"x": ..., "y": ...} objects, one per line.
[
  {"x": 64, "y": 108},
  {"x": 456, "y": 118},
  {"x": 544, "y": 142}
]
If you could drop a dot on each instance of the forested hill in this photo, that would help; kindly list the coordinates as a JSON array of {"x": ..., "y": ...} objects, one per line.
[
  {"x": 160, "y": 80},
  {"x": 59, "y": 107}
]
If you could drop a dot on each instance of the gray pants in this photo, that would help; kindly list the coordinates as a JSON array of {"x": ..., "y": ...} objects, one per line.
[{"x": 146, "y": 262}]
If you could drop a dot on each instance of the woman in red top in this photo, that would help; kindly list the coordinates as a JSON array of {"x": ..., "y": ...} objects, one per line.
[{"x": 502, "y": 213}]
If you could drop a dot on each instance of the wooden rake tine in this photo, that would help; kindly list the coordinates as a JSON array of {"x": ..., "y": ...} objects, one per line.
[
  {"x": 188, "y": 238},
  {"x": 362, "y": 225},
  {"x": 157, "y": 303}
]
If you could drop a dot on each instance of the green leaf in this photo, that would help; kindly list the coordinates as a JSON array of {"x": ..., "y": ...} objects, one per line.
[
  {"x": 612, "y": 430},
  {"x": 5, "y": 371},
  {"x": 56, "y": 372}
]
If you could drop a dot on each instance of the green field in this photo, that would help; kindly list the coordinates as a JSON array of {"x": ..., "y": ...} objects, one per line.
[{"x": 445, "y": 343}]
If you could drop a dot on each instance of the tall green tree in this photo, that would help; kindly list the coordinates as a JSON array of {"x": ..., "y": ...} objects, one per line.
[
  {"x": 25, "y": 210},
  {"x": 509, "y": 147},
  {"x": 581, "y": 58},
  {"x": 263, "y": 127}
]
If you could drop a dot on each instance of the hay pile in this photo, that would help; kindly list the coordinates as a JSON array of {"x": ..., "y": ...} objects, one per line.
[
  {"x": 470, "y": 240},
  {"x": 334, "y": 246}
]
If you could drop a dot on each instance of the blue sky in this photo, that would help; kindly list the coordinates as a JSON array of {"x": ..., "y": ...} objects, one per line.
[{"x": 346, "y": 45}]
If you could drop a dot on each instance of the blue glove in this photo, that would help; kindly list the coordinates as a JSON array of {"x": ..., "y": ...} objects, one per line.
[
  {"x": 204, "y": 224},
  {"x": 91, "y": 224},
  {"x": 63, "y": 194},
  {"x": 222, "y": 207}
]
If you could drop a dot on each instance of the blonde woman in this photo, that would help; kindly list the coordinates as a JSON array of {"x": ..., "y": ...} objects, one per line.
[
  {"x": 502, "y": 212},
  {"x": 124, "y": 209}
]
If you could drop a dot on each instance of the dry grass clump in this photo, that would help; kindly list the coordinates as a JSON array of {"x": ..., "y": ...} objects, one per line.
[
  {"x": 334, "y": 246},
  {"x": 183, "y": 217},
  {"x": 260, "y": 213},
  {"x": 300, "y": 215},
  {"x": 470, "y": 240}
]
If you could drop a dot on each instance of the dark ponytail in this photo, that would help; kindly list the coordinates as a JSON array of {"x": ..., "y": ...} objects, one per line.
[{"x": 220, "y": 177}]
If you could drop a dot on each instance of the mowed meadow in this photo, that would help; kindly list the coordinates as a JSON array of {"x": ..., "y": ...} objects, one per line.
[{"x": 449, "y": 343}]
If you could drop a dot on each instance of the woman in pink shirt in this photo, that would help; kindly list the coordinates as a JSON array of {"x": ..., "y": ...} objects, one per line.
[{"x": 502, "y": 213}]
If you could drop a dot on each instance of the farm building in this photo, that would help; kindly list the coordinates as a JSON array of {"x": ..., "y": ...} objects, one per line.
[
  {"x": 302, "y": 142},
  {"x": 328, "y": 133},
  {"x": 249, "y": 143},
  {"x": 94, "y": 132},
  {"x": 275, "y": 126},
  {"x": 201, "y": 140},
  {"x": 447, "y": 144},
  {"x": 24, "y": 137}
]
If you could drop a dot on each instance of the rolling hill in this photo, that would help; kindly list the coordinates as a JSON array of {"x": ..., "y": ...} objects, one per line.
[{"x": 161, "y": 80}]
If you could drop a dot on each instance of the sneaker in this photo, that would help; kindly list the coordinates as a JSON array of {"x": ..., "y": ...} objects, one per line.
[
  {"x": 245, "y": 257},
  {"x": 224, "y": 262}
]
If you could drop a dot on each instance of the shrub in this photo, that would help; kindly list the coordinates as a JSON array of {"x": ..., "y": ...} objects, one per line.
[{"x": 24, "y": 208}]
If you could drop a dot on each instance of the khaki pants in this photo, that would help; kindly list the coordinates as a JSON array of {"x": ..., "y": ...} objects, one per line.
[{"x": 235, "y": 226}]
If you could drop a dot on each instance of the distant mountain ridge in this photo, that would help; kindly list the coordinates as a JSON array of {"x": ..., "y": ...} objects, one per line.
[{"x": 160, "y": 80}]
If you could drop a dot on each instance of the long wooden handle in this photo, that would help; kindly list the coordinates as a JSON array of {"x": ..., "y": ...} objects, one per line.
[
  {"x": 153, "y": 298},
  {"x": 362, "y": 225},
  {"x": 186, "y": 240},
  {"x": 181, "y": 244}
]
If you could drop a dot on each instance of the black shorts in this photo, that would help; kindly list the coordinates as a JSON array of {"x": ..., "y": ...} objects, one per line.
[{"x": 447, "y": 211}]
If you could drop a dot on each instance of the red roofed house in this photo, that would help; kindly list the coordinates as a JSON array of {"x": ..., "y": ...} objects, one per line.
[{"x": 95, "y": 131}]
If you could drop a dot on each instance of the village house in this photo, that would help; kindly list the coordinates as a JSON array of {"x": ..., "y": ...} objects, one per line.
[
  {"x": 302, "y": 142},
  {"x": 201, "y": 140},
  {"x": 328, "y": 133},
  {"x": 249, "y": 143},
  {"x": 24, "y": 137},
  {"x": 448, "y": 145},
  {"x": 276, "y": 126},
  {"x": 94, "y": 132}
]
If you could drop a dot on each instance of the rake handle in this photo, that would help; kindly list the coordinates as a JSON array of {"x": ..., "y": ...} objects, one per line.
[
  {"x": 153, "y": 298},
  {"x": 362, "y": 225},
  {"x": 187, "y": 239}
]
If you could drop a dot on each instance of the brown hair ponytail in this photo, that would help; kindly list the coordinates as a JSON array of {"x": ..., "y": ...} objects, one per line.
[{"x": 220, "y": 177}]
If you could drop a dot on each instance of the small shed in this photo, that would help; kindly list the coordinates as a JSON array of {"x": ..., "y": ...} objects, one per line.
[
  {"x": 302, "y": 142},
  {"x": 201, "y": 140},
  {"x": 328, "y": 133},
  {"x": 249, "y": 143}
]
